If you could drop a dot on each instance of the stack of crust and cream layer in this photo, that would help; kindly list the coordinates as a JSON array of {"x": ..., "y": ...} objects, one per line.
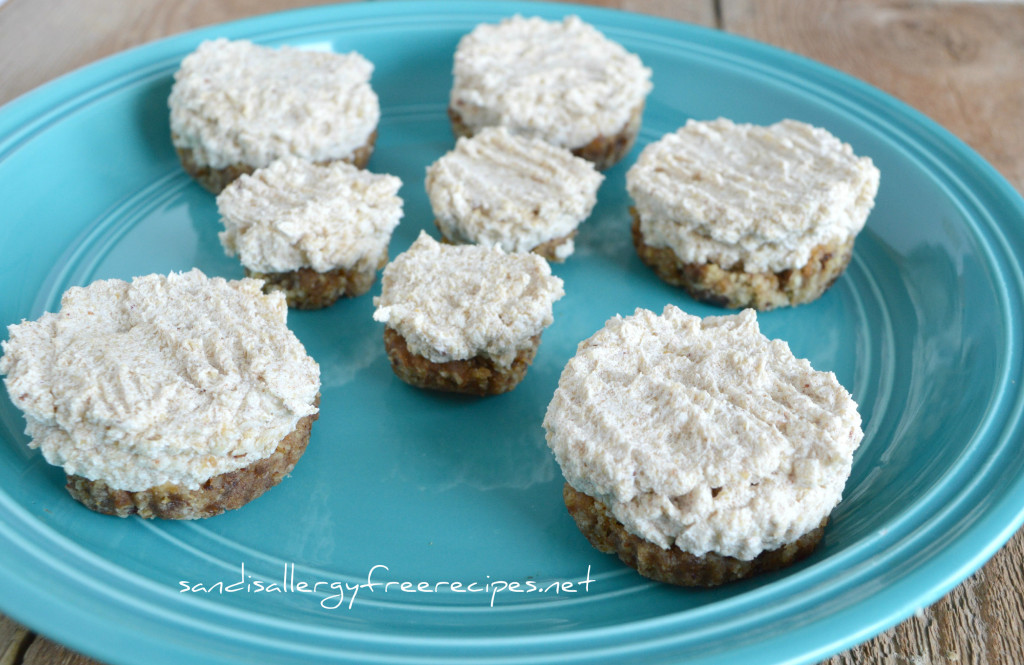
[
  {"x": 175, "y": 396},
  {"x": 561, "y": 81},
  {"x": 464, "y": 318},
  {"x": 699, "y": 451},
  {"x": 236, "y": 106},
  {"x": 743, "y": 215},
  {"x": 315, "y": 233},
  {"x": 515, "y": 192}
]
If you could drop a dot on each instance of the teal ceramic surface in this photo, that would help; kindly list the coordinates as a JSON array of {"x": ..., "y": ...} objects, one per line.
[{"x": 399, "y": 485}]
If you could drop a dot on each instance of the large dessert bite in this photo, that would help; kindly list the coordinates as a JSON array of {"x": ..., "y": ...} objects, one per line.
[
  {"x": 699, "y": 451},
  {"x": 176, "y": 396},
  {"x": 562, "y": 81},
  {"x": 237, "y": 106},
  {"x": 743, "y": 215},
  {"x": 464, "y": 318},
  {"x": 518, "y": 193},
  {"x": 316, "y": 233}
]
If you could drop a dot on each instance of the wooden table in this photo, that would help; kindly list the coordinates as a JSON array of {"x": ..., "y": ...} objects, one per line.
[{"x": 962, "y": 64}]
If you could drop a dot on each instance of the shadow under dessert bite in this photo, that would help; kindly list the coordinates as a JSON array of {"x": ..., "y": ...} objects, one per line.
[
  {"x": 177, "y": 396},
  {"x": 464, "y": 318}
]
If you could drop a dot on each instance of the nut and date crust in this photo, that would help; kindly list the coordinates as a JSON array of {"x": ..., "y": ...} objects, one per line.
[
  {"x": 215, "y": 180},
  {"x": 547, "y": 249},
  {"x": 735, "y": 288},
  {"x": 474, "y": 376},
  {"x": 220, "y": 493},
  {"x": 603, "y": 151},
  {"x": 674, "y": 566},
  {"x": 306, "y": 288}
]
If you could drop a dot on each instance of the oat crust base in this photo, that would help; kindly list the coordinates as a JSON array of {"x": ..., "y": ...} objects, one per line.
[
  {"x": 474, "y": 376},
  {"x": 735, "y": 288},
  {"x": 306, "y": 288},
  {"x": 674, "y": 566},
  {"x": 220, "y": 493},
  {"x": 603, "y": 151},
  {"x": 215, "y": 180}
]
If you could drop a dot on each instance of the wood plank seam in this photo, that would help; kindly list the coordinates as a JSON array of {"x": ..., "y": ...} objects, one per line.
[{"x": 14, "y": 654}]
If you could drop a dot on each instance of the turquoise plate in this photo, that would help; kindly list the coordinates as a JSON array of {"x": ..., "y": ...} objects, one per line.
[{"x": 436, "y": 491}]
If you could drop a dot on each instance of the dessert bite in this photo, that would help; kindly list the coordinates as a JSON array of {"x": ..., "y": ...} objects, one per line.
[
  {"x": 177, "y": 396},
  {"x": 699, "y": 451},
  {"x": 562, "y": 81},
  {"x": 518, "y": 193},
  {"x": 464, "y": 318},
  {"x": 237, "y": 106},
  {"x": 316, "y": 233},
  {"x": 745, "y": 215}
]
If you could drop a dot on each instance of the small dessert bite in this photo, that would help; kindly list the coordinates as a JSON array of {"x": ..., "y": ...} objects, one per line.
[
  {"x": 464, "y": 318},
  {"x": 316, "y": 233},
  {"x": 237, "y": 106},
  {"x": 176, "y": 396},
  {"x": 562, "y": 81},
  {"x": 744, "y": 215},
  {"x": 699, "y": 451},
  {"x": 518, "y": 193}
]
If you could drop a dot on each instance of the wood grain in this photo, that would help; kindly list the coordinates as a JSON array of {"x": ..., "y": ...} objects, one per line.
[
  {"x": 14, "y": 639},
  {"x": 67, "y": 34},
  {"x": 960, "y": 63}
]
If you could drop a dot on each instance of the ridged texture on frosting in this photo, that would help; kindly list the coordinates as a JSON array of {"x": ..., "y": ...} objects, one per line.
[
  {"x": 761, "y": 197},
  {"x": 702, "y": 433},
  {"x": 235, "y": 102},
  {"x": 166, "y": 379},
  {"x": 295, "y": 214},
  {"x": 501, "y": 189},
  {"x": 562, "y": 81},
  {"x": 453, "y": 302}
]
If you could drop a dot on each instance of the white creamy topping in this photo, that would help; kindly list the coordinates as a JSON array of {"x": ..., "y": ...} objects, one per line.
[
  {"x": 454, "y": 302},
  {"x": 501, "y": 189},
  {"x": 162, "y": 380},
  {"x": 235, "y": 102},
  {"x": 562, "y": 81},
  {"x": 719, "y": 192},
  {"x": 295, "y": 214},
  {"x": 702, "y": 434}
]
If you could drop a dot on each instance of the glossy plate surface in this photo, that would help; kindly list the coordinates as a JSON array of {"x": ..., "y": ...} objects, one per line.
[{"x": 403, "y": 486}]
